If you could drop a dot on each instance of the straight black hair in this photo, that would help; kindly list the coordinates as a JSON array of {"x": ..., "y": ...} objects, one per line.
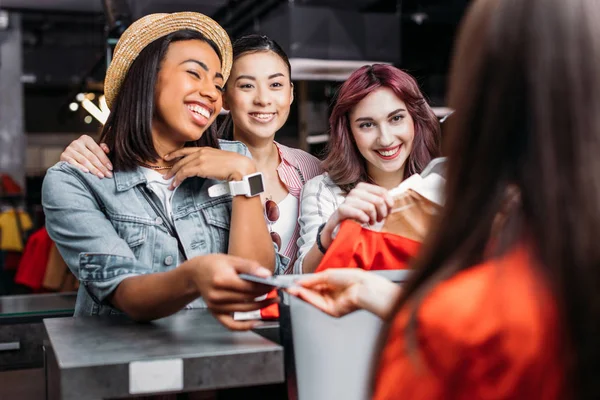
[
  {"x": 251, "y": 44},
  {"x": 128, "y": 130}
]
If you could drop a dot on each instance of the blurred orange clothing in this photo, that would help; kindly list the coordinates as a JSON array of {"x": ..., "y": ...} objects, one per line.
[{"x": 491, "y": 332}]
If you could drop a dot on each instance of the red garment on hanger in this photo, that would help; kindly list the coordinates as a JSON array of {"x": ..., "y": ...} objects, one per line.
[
  {"x": 34, "y": 261},
  {"x": 8, "y": 185},
  {"x": 358, "y": 247}
]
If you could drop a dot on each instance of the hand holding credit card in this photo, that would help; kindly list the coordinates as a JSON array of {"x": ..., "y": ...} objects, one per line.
[{"x": 272, "y": 281}]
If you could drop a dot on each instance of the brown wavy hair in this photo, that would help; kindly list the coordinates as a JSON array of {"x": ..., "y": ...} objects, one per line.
[{"x": 344, "y": 163}]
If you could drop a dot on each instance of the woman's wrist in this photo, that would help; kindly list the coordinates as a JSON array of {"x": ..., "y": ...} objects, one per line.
[
  {"x": 242, "y": 169},
  {"x": 378, "y": 295},
  {"x": 327, "y": 232},
  {"x": 189, "y": 276}
]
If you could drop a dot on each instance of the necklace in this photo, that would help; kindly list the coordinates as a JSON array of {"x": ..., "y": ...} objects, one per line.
[{"x": 154, "y": 167}]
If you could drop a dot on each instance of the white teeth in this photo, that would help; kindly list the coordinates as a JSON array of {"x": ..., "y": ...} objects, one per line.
[
  {"x": 262, "y": 116},
  {"x": 389, "y": 153},
  {"x": 199, "y": 110}
]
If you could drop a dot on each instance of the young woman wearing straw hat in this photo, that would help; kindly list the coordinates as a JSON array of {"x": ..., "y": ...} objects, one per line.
[
  {"x": 258, "y": 95},
  {"x": 136, "y": 246}
]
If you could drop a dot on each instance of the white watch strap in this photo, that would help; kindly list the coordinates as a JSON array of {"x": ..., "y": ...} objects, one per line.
[
  {"x": 234, "y": 188},
  {"x": 237, "y": 188},
  {"x": 220, "y": 189}
]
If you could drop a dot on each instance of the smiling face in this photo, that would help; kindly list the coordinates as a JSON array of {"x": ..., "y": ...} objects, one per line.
[
  {"x": 383, "y": 131},
  {"x": 258, "y": 95},
  {"x": 188, "y": 93}
]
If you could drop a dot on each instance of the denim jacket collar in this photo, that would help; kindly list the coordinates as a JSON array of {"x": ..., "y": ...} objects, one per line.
[{"x": 125, "y": 180}]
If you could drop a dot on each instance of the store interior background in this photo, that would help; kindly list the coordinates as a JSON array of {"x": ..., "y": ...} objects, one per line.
[{"x": 53, "y": 56}]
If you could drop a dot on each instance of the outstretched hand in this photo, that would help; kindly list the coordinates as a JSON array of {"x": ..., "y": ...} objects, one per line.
[
  {"x": 217, "y": 278},
  {"x": 339, "y": 292}
]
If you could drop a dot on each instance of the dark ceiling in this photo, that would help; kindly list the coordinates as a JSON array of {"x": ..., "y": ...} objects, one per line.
[{"x": 65, "y": 40}]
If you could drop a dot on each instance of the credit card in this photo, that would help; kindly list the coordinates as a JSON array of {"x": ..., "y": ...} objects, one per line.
[{"x": 270, "y": 281}]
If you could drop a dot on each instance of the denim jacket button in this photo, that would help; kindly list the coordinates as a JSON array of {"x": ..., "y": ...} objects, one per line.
[
  {"x": 158, "y": 221},
  {"x": 168, "y": 260}
]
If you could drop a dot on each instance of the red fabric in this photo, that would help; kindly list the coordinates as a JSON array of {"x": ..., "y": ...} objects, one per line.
[
  {"x": 34, "y": 261},
  {"x": 358, "y": 247},
  {"x": 12, "y": 260},
  {"x": 272, "y": 311},
  {"x": 9, "y": 186}
]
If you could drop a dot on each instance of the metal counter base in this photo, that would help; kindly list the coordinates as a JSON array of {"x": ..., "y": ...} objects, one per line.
[{"x": 108, "y": 357}]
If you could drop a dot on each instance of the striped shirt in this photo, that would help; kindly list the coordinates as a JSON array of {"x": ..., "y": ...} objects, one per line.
[
  {"x": 320, "y": 198},
  {"x": 296, "y": 168}
]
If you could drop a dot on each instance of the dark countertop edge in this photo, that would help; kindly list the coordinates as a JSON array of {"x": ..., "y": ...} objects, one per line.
[
  {"x": 32, "y": 317},
  {"x": 65, "y": 366}
]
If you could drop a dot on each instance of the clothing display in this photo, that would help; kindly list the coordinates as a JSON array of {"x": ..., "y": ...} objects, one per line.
[
  {"x": 32, "y": 267},
  {"x": 57, "y": 277},
  {"x": 8, "y": 186},
  {"x": 11, "y": 235}
]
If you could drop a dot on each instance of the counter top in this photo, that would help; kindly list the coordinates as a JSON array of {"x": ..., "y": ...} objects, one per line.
[
  {"x": 109, "y": 356},
  {"x": 29, "y": 308}
]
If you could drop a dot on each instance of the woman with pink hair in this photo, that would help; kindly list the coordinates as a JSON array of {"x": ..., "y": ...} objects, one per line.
[{"x": 381, "y": 132}]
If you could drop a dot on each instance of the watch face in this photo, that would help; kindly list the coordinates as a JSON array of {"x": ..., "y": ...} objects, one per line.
[{"x": 256, "y": 184}]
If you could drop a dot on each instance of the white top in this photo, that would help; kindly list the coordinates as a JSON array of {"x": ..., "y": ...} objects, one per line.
[
  {"x": 319, "y": 199},
  {"x": 288, "y": 218},
  {"x": 160, "y": 187}
]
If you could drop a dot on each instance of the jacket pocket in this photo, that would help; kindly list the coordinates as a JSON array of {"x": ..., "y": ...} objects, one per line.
[
  {"x": 134, "y": 233},
  {"x": 218, "y": 220}
]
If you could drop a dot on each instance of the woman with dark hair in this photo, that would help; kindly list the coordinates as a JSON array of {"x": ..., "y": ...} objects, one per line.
[
  {"x": 503, "y": 302},
  {"x": 136, "y": 246},
  {"x": 258, "y": 95},
  {"x": 381, "y": 132}
]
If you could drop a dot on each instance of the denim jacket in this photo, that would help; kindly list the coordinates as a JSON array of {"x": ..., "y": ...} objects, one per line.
[{"x": 107, "y": 231}]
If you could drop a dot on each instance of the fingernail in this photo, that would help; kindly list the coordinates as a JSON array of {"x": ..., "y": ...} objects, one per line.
[
  {"x": 261, "y": 271},
  {"x": 87, "y": 171},
  {"x": 109, "y": 166},
  {"x": 100, "y": 175},
  {"x": 166, "y": 156},
  {"x": 109, "y": 174}
]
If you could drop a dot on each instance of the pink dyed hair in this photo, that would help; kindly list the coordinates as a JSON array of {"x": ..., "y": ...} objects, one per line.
[{"x": 344, "y": 163}]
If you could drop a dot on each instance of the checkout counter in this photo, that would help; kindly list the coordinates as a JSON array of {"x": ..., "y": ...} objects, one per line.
[
  {"x": 47, "y": 354},
  {"x": 22, "y": 335},
  {"x": 114, "y": 357}
]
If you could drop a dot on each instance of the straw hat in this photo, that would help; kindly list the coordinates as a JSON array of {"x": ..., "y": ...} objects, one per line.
[{"x": 154, "y": 26}]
